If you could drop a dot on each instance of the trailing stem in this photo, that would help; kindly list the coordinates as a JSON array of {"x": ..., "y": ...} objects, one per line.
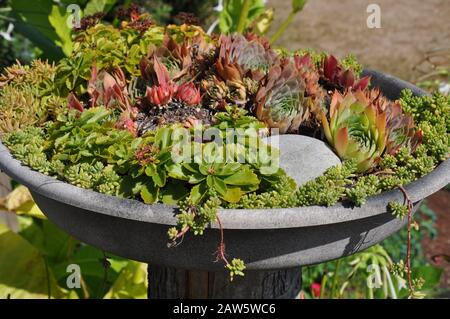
[
  {"x": 221, "y": 248},
  {"x": 408, "y": 250}
]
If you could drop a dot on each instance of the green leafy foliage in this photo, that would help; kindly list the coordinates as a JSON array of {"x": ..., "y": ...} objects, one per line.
[
  {"x": 108, "y": 48},
  {"x": 230, "y": 16},
  {"x": 49, "y": 252},
  {"x": 24, "y": 272}
]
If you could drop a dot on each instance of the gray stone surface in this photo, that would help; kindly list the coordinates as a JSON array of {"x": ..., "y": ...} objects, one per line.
[
  {"x": 303, "y": 158},
  {"x": 264, "y": 238}
]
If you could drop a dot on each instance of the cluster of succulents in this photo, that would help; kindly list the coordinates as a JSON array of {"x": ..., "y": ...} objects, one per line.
[{"x": 104, "y": 119}]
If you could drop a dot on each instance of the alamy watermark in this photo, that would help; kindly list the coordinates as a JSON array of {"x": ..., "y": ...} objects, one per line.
[
  {"x": 74, "y": 19},
  {"x": 73, "y": 280},
  {"x": 374, "y": 19}
]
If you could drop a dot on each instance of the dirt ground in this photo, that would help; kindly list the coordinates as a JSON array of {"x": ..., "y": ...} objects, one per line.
[
  {"x": 409, "y": 28},
  {"x": 440, "y": 204}
]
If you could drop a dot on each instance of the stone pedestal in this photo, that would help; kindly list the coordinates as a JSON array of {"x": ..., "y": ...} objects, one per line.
[{"x": 171, "y": 283}]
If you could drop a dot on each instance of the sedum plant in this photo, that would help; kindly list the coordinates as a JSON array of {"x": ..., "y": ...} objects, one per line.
[{"x": 25, "y": 98}]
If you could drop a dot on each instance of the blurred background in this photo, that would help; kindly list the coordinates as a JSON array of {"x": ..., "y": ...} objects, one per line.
[{"x": 413, "y": 43}]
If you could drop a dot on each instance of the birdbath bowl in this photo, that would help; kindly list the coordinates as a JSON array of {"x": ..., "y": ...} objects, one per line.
[{"x": 274, "y": 243}]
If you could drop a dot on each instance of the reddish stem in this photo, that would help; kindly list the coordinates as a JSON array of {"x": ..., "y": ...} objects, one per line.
[
  {"x": 385, "y": 172},
  {"x": 408, "y": 252},
  {"x": 180, "y": 234},
  {"x": 183, "y": 232},
  {"x": 221, "y": 248}
]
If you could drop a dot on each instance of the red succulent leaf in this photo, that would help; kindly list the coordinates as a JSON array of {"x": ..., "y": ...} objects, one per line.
[
  {"x": 304, "y": 61},
  {"x": 92, "y": 85},
  {"x": 188, "y": 93},
  {"x": 146, "y": 69},
  {"x": 362, "y": 84},
  {"x": 162, "y": 74},
  {"x": 154, "y": 71},
  {"x": 330, "y": 67},
  {"x": 109, "y": 89},
  {"x": 342, "y": 140},
  {"x": 126, "y": 123},
  {"x": 161, "y": 94},
  {"x": 250, "y": 36},
  {"x": 74, "y": 103},
  {"x": 335, "y": 76},
  {"x": 228, "y": 71},
  {"x": 347, "y": 79}
]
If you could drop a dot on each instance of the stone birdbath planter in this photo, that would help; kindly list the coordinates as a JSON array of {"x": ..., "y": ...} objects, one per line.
[{"x": 273, "y": 242}]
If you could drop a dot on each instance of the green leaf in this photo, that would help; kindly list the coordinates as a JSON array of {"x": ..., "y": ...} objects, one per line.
[
  {"x": 164, "y": 157},
  {"x": 198, "y": 191},
  {"x": 298, "y": 5},
  {"x": 23, "y": 272},
  {"x": 204, "y": 169},
  {"x": 242, "y": 178},
  {"x": 131, "y": 283},
  {"x": 210, "y": 181},
  {"x": 432, "y": 276},
  {"x": 193, "y": 168},
  {"x": 163, "y": 137},
  {"x": 58, "y": 20},
  {"x": 228, "y": 169},
  {"x": 173, "y": 192},
  {"x": 20, "y": 202},
  {"x": 160, "y": 178},
  {"x": 95, "y": 6},
  {"x": 150, "y": 170},
  {"x": 34, "y": 25},
  {"x": 196, "y": 178},
  {"x": 90, "y": 260},
  {"x": 230, "y": 15},
  {"x": 233, "y": 195},
  {"x": 176, "y": 171},
  {"x": 149, "y": 193},
  {"x": 219, "y": 185}
]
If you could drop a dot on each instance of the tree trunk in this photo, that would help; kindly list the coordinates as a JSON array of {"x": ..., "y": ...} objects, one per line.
[{"x": 171, "y": 283}]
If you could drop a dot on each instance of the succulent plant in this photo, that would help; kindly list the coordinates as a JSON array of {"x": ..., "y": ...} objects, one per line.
[
  {"x": 74, "y": 104},
  {"x": 230, "y": 180},
  {"x": 24, "y": 96},
  {"x": 216, "y": 93},
  {"x": 163, "y": 88},
  {"x": 160, "y": 95},
  {"x": 249, "y": 54},
  {"x": 231, "y": 75},
  {"x": 315, "y": 94},
  {"x": 239, "y": 66},
  {"x": 109, "y": 89},
  {"x": 401, "y": 129},
  {"x": 356, "y": 130},
  {"x": 335, "y": 77},
  {"x": 280, "y": 101},
  {"x": 189, "y": 94}
]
